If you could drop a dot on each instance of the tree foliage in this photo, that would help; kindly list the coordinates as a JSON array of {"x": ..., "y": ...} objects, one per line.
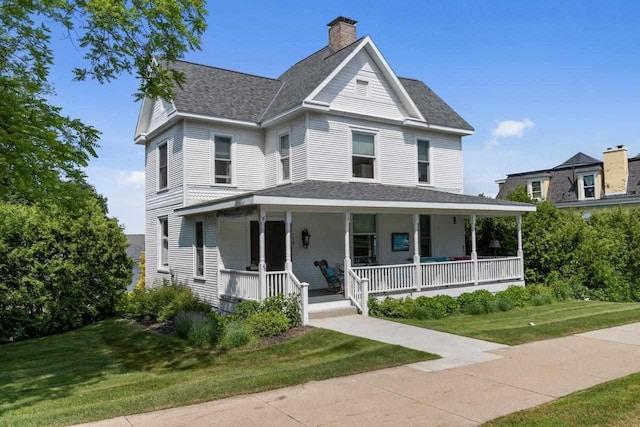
[
  {"x": 42, "y": 151},
  {"x": 58, "y": 270}
]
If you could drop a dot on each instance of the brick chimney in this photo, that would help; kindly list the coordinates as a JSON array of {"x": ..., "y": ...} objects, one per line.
[
  {"x": 342, "y": 32},
  {"x": 616, "y": 170}
]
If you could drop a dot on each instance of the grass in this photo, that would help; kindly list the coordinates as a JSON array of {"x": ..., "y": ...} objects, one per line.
[
  {"x": 115, "y": 368},
  {"x": 615, "y": 403},
  {"x": 551, "y": 321}
]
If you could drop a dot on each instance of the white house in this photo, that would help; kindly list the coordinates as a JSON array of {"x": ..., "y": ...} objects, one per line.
[{"x": 366, "y": 164}]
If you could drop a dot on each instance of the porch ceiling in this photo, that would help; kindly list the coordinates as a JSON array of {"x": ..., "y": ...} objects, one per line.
[{"x": 341, "y": 196}]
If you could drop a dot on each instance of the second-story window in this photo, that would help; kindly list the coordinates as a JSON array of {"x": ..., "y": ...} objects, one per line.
[
  {"x": 588, "y": 186},
  {"x": 285, "y": 158},
  {"x": 163, "y": 175},
  {"x": 536, "y": 190},
  {"x": 222, "y": 159},
  {"x": 363, "y": 155},
  {"x": 423, "y": 162}
]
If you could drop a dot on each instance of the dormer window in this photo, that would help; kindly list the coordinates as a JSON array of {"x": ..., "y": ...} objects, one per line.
[
  {"x": 589, "y": 186},
  {"x": 535, "y": 190},
  {"x": 363, "y": 155},
  {"x": 285, "y": 157},
  {"x": 362, "y": 88}
]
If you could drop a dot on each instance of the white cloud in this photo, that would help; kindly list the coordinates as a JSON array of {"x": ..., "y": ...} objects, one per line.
[
  {"x": 508, "y": 129},
  {"x": 135, "y": 178}
]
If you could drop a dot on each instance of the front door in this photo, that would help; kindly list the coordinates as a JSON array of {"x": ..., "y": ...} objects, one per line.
[{"x": 275, "y": 248}]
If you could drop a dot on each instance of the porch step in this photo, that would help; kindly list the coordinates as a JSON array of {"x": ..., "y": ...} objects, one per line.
[{"x": 331, "y": 309}]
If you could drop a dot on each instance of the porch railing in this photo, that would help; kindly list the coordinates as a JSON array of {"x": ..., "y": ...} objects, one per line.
[
  {"x": 241, "y": 284},
  {"x": 490, "y": 270},
  {"x": 388, "y": 278},
  {"x": 282, "y": 283},
  {"x": 450, "y": 273},
  {"x": 357, "y": 289}
]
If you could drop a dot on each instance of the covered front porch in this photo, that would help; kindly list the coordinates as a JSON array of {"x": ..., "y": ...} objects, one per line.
[{"x": 272, "y": 246}]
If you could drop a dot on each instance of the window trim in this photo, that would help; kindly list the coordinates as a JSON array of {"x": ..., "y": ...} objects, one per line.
[
  {"x": 419, "y": 138},
  {"x": 163, "y": 143},
  {"x": 582, "y": 195},
  {"x": 195, "y": 249},
  {"x": 375, "y": 157},
  {"x": 212, "y": 155},
  {"x": 280, "y": 175},
  {"x": 161, "y": 267},
  {"x": 530, "y": 188}
]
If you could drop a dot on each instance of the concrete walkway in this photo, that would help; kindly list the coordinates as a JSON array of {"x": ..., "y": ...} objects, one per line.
[
  {"x": 523, "y": 376},
  {"x": 455, "y": 350}
]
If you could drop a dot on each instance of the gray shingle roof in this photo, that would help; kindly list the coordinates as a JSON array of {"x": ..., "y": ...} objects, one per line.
[
  {"x": 432, "y": 107},
  {"x": 217, "y": 92},
  {"x": 223, "y": 93},
  {"x": 579, "y": 159},
  {"x": 360, "y": 191}
]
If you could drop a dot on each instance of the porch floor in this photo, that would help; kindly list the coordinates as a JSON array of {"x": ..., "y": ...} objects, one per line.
[{"x": 321, "y": 295}]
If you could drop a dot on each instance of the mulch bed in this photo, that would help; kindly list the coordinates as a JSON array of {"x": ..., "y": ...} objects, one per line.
[{"x": 290, "y": 334}]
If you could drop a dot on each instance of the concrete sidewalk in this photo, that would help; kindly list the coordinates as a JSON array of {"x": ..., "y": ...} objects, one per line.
[{"x": 523, "y": 376}]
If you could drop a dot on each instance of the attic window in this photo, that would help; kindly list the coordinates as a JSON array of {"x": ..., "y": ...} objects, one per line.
[{"x": 362, "y": 88}]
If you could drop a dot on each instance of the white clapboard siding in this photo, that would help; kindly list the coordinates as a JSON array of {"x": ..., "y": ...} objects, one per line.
[
  {"x": 234, "y": 242},
  {"x": 159, "y": 113},
  {"x": 298, "y": 150},
  {"x": 152, "y": 275},
  {"x": 342, "y": 93},
  {"x": 271, "y": 157},
  {"x": 247, "y": 161},
  {"x": 174, "y": 139},
  {"x": 447, "y": 238},
  {"x": 329, "y": 139}
]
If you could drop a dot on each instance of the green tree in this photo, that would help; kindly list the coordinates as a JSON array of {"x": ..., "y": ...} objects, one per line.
[{"x": 42, "y": 151}]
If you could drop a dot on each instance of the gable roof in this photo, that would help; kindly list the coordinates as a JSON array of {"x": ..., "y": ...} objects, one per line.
[{"x": 217, "y": 92}]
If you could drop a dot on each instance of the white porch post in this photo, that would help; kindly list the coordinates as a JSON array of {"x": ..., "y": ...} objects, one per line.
[
  {"x": 347, "y": 252},
  {"x": 288, "y": 266},
  {"x": 262, "y": 265},
  {"x": 304, "y": 302},
  {"x": 474, "y": 253},
  {"x": 416, "y": 251},
  {"x": 520, "y": 253}
]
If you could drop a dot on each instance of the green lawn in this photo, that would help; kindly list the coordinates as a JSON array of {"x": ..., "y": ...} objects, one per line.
[
  {"x": 551, "y": 321},
  {"x": 114, "y": 368},
  {"x": 615, "y": 403}
]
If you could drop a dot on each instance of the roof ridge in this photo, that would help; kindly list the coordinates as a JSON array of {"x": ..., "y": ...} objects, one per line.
[
  {"x": 227, "y": 69},
  {"x": 411, "y": 78},
  {"x": 349, "y": 45}
]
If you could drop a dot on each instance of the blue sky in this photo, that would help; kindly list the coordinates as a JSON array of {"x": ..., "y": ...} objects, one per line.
[{"x": 539, "y": 81}]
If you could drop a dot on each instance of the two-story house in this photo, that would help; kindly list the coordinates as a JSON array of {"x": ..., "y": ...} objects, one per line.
[
  {"x": 583, "y": 182},
  {"x": 252, "y": 181}
]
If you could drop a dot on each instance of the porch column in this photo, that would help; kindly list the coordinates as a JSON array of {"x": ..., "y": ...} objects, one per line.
[
  {"x": 262, "y": 265},
  {"x": 347, "y": 252},
  {"x": 520, "y": 253},
  {"x": 474, "y": 253},
  {"x": 288, "y": 266},
  {"x": 416, "y": 251}
]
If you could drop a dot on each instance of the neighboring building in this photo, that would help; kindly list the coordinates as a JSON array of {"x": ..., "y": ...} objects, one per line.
[
  {"x": 582, "y": 181},
  {"x": 250, "y": 179},
  {"x": 136, "y": 247}
]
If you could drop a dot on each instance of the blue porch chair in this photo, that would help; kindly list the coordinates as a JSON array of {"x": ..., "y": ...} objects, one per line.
[{"x": 334, "y": 279}]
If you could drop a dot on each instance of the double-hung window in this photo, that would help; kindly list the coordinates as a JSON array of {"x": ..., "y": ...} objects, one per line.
[
  {"x": 363, "y": 155},
  {"x": 163, "y": 175},
  {"x": 163, "y": 256},
  {"x": 198, "y": 249},
  {"x": 588, "y": 186},
  {"x": 536, "y": 190},
  {"x": 222, "y": 159},
  {"x": 424, "y": 176},
  {"x": 285, "y": 157},
  {"x": 364, "y": 239}
]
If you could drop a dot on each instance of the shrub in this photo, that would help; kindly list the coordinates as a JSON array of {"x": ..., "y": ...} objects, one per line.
[
  {"x": 482, "y": 296},
  {"x": 268, "y": 323},
  {"x": 396, "y": 308},
  {"x": 534, "y": 290},
  {"x": 163, "y": 302},
  {"x": 504, "y": 304},
  {"x": 289, "y": 306},
  {"x": 424, "y": 313},
  {"x": 541, "y": 299},
  {"x": 235, "y": 334},
  {"x": 442, "y": 303},
  {"x": 244, "y": 309},
  {"x": 374, "y": 307},
  {"x": 475, "y": 308},
  {"x": 517, "y": 294},
  {"x": 59, "y": 270},
  {"x": 199, "y": 329}
]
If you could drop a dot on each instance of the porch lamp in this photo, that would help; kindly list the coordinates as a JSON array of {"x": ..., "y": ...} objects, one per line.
[
  {"x": 305, "y": 238},
  {"x": 495, "y": 245}
]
